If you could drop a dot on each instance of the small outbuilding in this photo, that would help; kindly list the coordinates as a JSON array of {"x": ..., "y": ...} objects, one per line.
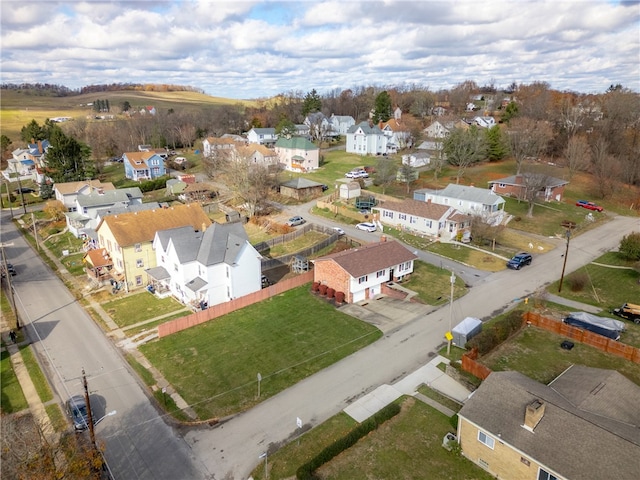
[
  {"x": 301, "y": 188},
  {"x": 349, "y": 190},
  {"x": 466, "y": 330}
]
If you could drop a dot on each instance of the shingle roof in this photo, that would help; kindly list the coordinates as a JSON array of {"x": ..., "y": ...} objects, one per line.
[
  {"x": 131, "y": 228},
  {"x": 468, "y": 193},
  {"x": 433, "y": 211},
  {"x": 298, "y": 143},
  {"x": 109, "y": 197},
  {"x": 518, "y": 180},
  {"x": 371, "y": 258},
  {"x": 590, "y": 427},
  {"x": 366, "y": 128},
  {"x": 301, "y": 182},
  {"x": 69, "y": 188}
]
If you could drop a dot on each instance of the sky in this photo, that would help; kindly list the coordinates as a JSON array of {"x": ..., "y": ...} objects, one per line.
[{"x": 256, "y": 49}]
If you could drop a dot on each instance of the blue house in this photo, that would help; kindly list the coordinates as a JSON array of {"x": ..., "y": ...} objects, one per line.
[{"x": 142, "y": 166}]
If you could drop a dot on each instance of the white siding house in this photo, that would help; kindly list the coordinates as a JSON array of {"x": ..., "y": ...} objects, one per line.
[{"x": 366, "y": 139}]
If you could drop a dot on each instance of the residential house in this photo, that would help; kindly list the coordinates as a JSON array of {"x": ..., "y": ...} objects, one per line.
[
  {"x": 438, "y": 111},
  {"x": 141, "y": 166},
  {"x": 128, "y": 238},
  {"x": 366, "y": 139},
  {"x": 302, "y": 130},
  {"x": 297, "y": 154},
  {"x": 212, "y": 145},
  {"x": 318, "y": 123},
  {"x": 547, "y": 188},
  {"x": 466, "y": 199},
  {"x": 263, "y": 136},
  {"x": 585, "y": 424},
  {"x": 84, "y": 216},
  {"x": 340, "y": 124},
  {"x": 417, "y": 159},
  {"x": 397, "y": 133},
  {"x": 300, "y": 188},
  {"x": 68, "y": 192},
  {"x": 484, "y": 122},
  {"x": 205, "y": 268},
  {"x": 256, "y": 154},
  {"x": 360, "y": 272},
  {"x": 424, "y": 218},
  {"x": 24, "y": 161},
  {"x": 437, "y": 130}
]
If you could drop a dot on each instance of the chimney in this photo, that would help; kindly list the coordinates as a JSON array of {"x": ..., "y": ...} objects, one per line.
[
  {"x": 40, "y": 147},
  {"x": 428, "y": 201},
  {"x": 533, "y": 414}
]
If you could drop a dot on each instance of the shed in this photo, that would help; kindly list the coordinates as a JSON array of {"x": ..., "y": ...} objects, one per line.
[
  {"x": 301, "y": 188},
  {"x": 349, "y": 190},
  {"x": 466, "y": 330}
]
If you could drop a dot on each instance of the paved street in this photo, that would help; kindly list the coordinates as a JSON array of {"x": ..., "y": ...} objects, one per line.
[{"x": 232, "y": 449}]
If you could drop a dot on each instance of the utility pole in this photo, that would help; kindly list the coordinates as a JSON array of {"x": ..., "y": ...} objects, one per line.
[
  {"x": 568, "y": 226},
  {"x": 7, "y": 275},
  {"x": 453, "y": 282},
  {"x": 92, "y": 434},
  {"x": 35, "y": 230},
  {"x": 24, "y": 205}
]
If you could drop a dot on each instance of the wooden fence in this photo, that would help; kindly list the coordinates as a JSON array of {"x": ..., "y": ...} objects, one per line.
[{"x": 216, "y": 311}]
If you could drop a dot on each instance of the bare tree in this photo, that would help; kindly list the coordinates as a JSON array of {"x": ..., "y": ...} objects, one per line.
[
  {"x": 534, "y": 100},
  {"x": 250, "y": 184},
  {"x": 463, "y": 148},
  {"x": 407, "y": 174},
  {"x": 604, "y": 166},
  {"x": 577, "y": 154},
  {"x": 527, "y": 139},
  {"x": 485, "y": 230},
  {"x": 533, "y": 186},
  {"x": 385, "y": 175}
]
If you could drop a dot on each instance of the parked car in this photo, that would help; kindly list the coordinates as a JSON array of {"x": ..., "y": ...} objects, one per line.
[
  {"x": 24, "y": 190},
  {"x": 356, "y": 174},
  {"x": 588, "y": 205},
  {"x": 10, "y": 268},
  {"x": 77, "y": 410},
  {"x": 338, "y": 230},
  {"x": 297, "y": 220},
  {"x": 324, "y": 187},
  {"x": 366, "y": 226},
  {"x": 519, "y": 261}
]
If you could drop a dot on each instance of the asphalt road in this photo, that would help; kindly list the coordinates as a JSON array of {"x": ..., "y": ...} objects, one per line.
[
  {"x": 233, "y": 449},
  {"x": 139, "y": 444}
]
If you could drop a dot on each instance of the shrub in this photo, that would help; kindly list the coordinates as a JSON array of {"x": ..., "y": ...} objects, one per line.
[
  {"x": 630, "y": 246},
  {"x": 495, "y": 334},
  {"x": 577, "y": 281}
]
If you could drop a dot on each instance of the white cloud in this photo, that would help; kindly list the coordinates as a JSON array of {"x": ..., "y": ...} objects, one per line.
[{"x": 244, "y": 49}]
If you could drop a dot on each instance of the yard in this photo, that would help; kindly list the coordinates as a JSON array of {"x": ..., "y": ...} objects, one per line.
[
  {"x": 433, "y": 284},
  {"x": 12, "y": 397},
  {"x": 407, "y": 446},
  {"x": 214, "y": 366},
  {"x": 138, "y": 307}
]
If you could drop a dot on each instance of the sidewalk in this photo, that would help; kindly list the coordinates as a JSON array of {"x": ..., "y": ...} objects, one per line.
[{"x": 429, "y": 375}]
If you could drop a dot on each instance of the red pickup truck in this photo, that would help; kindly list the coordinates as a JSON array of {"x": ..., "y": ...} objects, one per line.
[{"x": 588, "y": 205}]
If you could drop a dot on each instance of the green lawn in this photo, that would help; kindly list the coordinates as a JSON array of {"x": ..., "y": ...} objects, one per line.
[
  {"x": 12, "y": 397},
  {"x": 537, "y": 354},
  {"x": 37, "y": 377},
  {"x": 433, "y": 284},
  {"x": 408, "y": 446},
  {"x": 214, "y": 366},
  {"x": 138, "y": 307}
]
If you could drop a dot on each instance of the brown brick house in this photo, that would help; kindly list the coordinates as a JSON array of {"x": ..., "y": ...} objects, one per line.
[
  {"x": 360, "y": 272},
  {"x": 549, "y": 188}
]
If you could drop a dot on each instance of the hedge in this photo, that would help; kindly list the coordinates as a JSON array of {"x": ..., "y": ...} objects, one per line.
[
  {"x": 305, "y": 471},
  {"x": 496, "y": 333}
]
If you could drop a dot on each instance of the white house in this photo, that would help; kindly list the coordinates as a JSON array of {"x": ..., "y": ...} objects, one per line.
[
  {"x": 340, "y": 124},
  {"x": 423, "y": 218},
  {"x": 211, "y": 145},
  {"x": 437, "y": 130},
  {"x": 263, "y": 136},
  {"x": 417, "y": 159},
  {"x": 485, "y": 122},
  {"x": 398, "y": 136},
  {"x": 466, "y": 199},
  {"x": 366, "y": 139},
  {"x": 205, "y": 268}
]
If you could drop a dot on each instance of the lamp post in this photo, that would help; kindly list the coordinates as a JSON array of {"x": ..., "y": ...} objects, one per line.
[
  {"x": 110, "y": 414},
  {"x": 568, "y": 226}
]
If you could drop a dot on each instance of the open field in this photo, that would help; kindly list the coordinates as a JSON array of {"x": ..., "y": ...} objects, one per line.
[
  {"x": 407, "y": 446},
  {"x": 214, "y": 365}
]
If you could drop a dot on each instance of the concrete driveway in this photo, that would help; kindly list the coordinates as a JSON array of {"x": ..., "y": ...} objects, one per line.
[{"x": 387, "y": 313}]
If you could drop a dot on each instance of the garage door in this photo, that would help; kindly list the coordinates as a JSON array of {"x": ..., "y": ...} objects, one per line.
[{"x": 359, "y": 296}]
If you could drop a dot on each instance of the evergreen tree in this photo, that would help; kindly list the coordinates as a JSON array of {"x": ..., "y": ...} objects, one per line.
[
  {"x": 497, "y": 144},
  {"x": 311, "y": 103},
  {"x": 33, "y": 131},
  {"x": 126, "y": 106},
  {"x": 46, "y": 190},
  {"x": 382, "y": 110},
  {"x": 5, "y": 142},
  {"x": 285, "y": 128},
  {"x": 107, "y": 108},
  {"x": 67, "y": 159},
  {"x": 510, "y": 112}
]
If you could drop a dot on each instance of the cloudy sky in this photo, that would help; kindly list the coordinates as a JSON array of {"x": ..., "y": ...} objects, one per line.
[{"x": 250, "y": 49}]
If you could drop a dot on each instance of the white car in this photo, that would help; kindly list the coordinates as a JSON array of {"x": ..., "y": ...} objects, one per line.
[
  {"x": 366, "y": 226},
  {"x": 356, "y": 174},
  {"x": 338, "y": 230}
]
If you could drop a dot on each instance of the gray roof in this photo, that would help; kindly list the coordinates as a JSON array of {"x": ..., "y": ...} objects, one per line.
[
  {"x": 366, "y": 128},
  {"x": 590, "y": 427},
  {"x": 159, "y": 273},
  {"x": 301, "y": 182},
  {"x": 109, "y": 197},
  {"x": 118, "y": 209},
  {"x": 264, "y": 131},
  {"x": 186, "y": 242},
  {"x": 518, "y": 180},
  {"x": 468, "y": 193},
  {"x": 196, "y": 284},
  {"x": 222, "y": 243}
]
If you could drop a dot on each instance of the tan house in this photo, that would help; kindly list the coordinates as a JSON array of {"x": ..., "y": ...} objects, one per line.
[
  {"x": 297, "y": 154},
  {"x": 68, "y": 192},
  {"x": 127, "y": 238},
  {"x": 360, "y": 272},
  {"x": 256, "y": 154},
  {"x": 584, "y": 425}
]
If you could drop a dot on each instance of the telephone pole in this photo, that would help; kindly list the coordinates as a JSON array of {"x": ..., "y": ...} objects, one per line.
[
  {"x": 568, "y": 226},
  {"x": 92, "y": 434}
]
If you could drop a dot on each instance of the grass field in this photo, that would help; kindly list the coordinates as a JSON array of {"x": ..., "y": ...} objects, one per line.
[
  {"x": 12, "y": 397},
  {"x": 408, "y": 446},
  {"x": 137, "y": 307},
  {"x": 214, "y": 365}
]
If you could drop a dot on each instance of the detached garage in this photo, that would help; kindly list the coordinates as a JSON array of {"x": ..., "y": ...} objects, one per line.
[{"x": 465, "y": 331}]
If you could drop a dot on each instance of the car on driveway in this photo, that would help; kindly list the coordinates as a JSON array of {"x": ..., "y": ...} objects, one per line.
[
  {"x": 519, "y": 261},
  {"x": 366, "y": 226},
  {"x": 588, "y": 205},
  {"x": 356, "y": 174},
  {"x": 77, "y": 410},
  {"x": 297, "y": 220}
]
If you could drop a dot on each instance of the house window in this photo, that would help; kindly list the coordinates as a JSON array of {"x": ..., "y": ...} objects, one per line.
[
  {"x": 402, "y": 216},
  {"x": 544, "y": 475},
  {"x": 175, "y": 267},
  {"x": 138, "y": 280},
  {"x": 380, "y": 273},
  {"x": 363, "y": 279},
  {"x": 137, "y": 247},
  {"x": 119, "y": 264},
  {"x": 413, "y": 220},
  {"x": 486, "y": 439},
  {"x": 161, "y": 258},
  {"x": 139, "y": 263},
  {"x": 427, "y": 223},
  {"x": 502, "y": 185},
  {"x": 387, "y": 213}
]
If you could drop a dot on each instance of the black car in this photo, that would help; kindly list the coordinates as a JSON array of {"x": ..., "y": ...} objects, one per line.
[
  {"x": 77, "y": 410},
  {"x": 519, "y": 261},
  {"x": 24, "y": 190},
  {"x": 10, "y": 268}
]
